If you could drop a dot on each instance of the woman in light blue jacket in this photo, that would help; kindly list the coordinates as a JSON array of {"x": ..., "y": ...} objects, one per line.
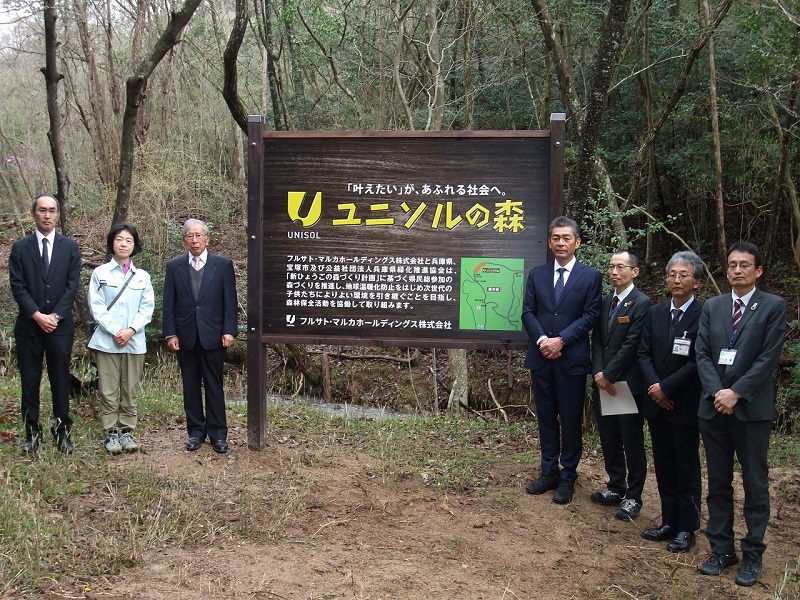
[{"x": 121, "y": 300}]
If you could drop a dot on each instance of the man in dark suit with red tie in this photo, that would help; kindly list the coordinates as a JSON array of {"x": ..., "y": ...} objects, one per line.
[
  {"x": 669, "y": 370},
  {"x": 200, "y": 323},
  {"x": 44, "y": 271},
  {"x": 561, "y": 305},
  {"x": 739, "y": 344},
  {"x": 615, "y": 342}
]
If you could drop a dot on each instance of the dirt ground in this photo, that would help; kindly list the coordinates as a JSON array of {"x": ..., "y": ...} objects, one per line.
[{"x": 355, "y": 533}]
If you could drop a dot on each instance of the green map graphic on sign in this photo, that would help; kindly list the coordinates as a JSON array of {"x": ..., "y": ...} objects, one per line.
[{"x": 491, "y": 294}]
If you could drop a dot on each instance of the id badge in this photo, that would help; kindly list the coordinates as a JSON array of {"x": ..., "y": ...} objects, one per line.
[
  {"x": 726, "y": 356},
  {"x": 681, "y": 346}
]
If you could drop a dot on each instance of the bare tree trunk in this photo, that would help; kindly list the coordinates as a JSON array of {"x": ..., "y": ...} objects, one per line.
[
  {"x": 435, "y": 99},
  {"x": 612, "y": 33},
  {"x": 135, "y": 93},
  {"x": 459, "y": 380},
  {"x": 712, "y": 90},
  {"x": 280, "y": 115},
  {"x": 230, "y": 87},
  {"x": 647, "y": 88},
  {"x": 677, "y": 93},
  {"x": 398, "y": 53},
  {"x": 52, "y": 78}
]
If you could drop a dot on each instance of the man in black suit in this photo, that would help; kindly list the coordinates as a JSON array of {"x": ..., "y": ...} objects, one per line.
[
  {"x": 562, "y": 302},
  {"x": 738, "y": 346},
  {"x": 669, "y": 369},
  {"x": 199, "y": 323},
  {"x": 615, "y": 343},
  {"x": 44, "y": 271}
]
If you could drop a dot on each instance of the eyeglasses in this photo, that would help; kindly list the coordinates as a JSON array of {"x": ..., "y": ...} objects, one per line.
[
  {"x": 744, "y": 265},
  {"x": 194, "y": 236},
  {"x": 612, "y": 268},
  {"x": 683, "y": 275}
]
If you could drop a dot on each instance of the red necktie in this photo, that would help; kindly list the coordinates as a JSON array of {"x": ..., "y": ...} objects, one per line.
[{"x": 737, "y": 314}]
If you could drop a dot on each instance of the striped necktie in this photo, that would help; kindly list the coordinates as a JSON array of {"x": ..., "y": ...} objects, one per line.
[{"x": 737, "y": 314}]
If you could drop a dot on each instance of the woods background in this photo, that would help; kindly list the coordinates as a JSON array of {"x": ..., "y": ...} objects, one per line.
[{"x": 682, "y": 126}]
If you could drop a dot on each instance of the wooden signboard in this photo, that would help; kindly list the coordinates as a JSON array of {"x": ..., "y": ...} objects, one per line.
[{"x": 396, "y": 238}]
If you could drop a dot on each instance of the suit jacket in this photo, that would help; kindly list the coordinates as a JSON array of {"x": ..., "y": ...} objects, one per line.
[
  {"x": 758, "y": 347},
  {"x": 615, "y": 341},
  {"x": 677, "y": 374},
  {"x": 53, "y": 292},
  {"x": 572, "y": 318},
  {"x": 212, "y": 315}
]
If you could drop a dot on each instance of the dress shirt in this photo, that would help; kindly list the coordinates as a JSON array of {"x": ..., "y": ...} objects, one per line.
[{"x": 51, "y": 237}]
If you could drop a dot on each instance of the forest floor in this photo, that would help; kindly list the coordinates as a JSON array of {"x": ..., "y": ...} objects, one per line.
[{"x": 350, "y": 529}]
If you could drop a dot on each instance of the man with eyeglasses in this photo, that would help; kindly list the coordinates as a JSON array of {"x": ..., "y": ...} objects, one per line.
[
  {"x": 738, "y": 346},
  {"x": 669, "y": 368},
  {"x": 615, "y": 342},
  {"x": 199, "y": 323},
  {"x": 44, "y": 270}
]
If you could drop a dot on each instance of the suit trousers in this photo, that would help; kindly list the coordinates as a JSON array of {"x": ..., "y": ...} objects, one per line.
[
  {"x": 676, "y": 458},
  {"x": 622, "y": 441},
  {"x": 724, "y": 436},
  {"x": 201, "y": 370},
  {"x": 559, "y": 399},
  {"x": 120, "y": 375},
  {"x": 31, "y": 351}
]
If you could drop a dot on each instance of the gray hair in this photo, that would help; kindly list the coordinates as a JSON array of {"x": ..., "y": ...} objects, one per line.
[
  {"x": 189, "y": 222},
  {"x": 689, "y": 258},
  {"x": 563, "y": 221}
]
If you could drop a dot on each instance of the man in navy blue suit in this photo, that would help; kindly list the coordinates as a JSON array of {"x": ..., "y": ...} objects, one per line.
[
  {"x": 562, "y": 304},
  {"x": 199, "y": 323}
]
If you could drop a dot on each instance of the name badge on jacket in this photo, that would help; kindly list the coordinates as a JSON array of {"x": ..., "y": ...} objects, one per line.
[
  {"x": 726, "y": 356},
  {"x": 624, "y": 319},
  {"x": 681, "y": 346}
]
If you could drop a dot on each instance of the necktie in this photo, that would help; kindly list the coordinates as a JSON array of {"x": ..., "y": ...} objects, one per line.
[
  {"x": 196, "y": 263},
  {"x": 737, "y": 314},
  {"x": 676, "y": 316},
  {"x": 559, "y": 283},
  {"x": 45, "y": 255},
  {"x": 614, "y": 303}
]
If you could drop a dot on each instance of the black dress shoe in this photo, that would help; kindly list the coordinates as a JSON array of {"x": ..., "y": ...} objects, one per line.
[
  {"x": 193, "y": 443},
  {"x": 750, "y": 569},
  {"x": 682, "y": 542},
  {"x": 542, "y": 484},
  {"x": 65, "y": 444},
  {"x": 31, "y": 446},
  {"x": 716, "y": 563},
  {"x": 220, "y": 446},
  {"x": 658, "y": 534},
  {"x": 606, "y": 498},
  {"x": 564, "y": 492}
]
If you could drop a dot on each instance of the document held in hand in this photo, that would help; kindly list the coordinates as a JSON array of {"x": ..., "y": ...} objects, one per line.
[{"x": 621, "y": 404}]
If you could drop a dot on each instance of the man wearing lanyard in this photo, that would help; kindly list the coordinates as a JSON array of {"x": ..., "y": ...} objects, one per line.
[{"x": 739, "y": 343}]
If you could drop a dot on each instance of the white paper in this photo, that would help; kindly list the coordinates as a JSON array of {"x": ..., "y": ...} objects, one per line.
[{"x": 621, "y": 404}]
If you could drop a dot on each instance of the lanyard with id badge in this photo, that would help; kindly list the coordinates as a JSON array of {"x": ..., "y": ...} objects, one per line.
[
  {"x": 682, "y": 345},
  {"x": 728, "y": 355}
]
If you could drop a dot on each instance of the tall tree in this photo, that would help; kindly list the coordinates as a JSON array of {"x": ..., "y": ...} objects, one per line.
[{"x": 135, "y": 89}]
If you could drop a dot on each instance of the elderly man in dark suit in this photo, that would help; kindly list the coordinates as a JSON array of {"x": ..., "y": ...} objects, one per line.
[
  {"x": 738, "y": 346},
  {"x": 669, "y": 369},
  {"x": 199, "y": 323},
  {"x": 615, "y": 343},
  {"x": 561, "y": 305},
  {"x": 44, "y": 271}
]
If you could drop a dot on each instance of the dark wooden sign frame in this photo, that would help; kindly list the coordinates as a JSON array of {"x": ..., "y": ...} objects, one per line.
[{"x": 277, "y": 161}]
